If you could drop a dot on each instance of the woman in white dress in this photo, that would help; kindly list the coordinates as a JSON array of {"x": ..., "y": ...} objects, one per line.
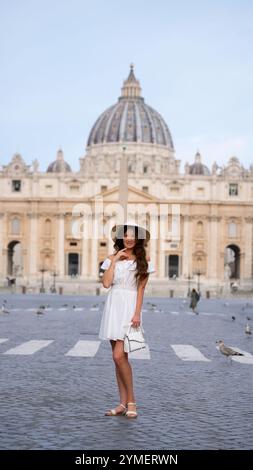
[{"x": 126, "y": 273}]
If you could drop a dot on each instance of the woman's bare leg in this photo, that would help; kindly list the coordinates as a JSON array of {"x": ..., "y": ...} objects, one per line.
[
  {"x": 121, "y": 386},
  {"x": 124, "y": 370}
]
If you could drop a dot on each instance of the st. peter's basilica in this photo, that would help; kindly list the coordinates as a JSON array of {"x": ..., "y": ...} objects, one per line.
[{"x": 213, "y": 248}]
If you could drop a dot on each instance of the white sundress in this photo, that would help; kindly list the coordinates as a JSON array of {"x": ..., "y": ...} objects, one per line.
[{"x": 121, "y": 300}]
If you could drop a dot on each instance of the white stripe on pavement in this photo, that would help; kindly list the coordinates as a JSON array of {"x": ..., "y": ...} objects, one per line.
[
  {"x": 246, "y": 359},
  {"x": 140, "y": 354},
  {"x": 84, "y": 348},
  {"x": 29, "y": 347},
  {"x": 3, "y": 340},
  {"x": 174, "y": 313},
  {"x": 187, "y": 352}
]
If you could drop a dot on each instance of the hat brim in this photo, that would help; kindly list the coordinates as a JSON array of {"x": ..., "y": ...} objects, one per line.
[{"x": 118, "y": 231}]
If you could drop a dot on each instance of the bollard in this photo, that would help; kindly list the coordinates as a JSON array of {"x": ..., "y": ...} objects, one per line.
[
  {"x": 23, "y": 289},
  {"x": 208, "y": 294},
  {"x": 171, "y": 293},
  {"x": 97, "y": 290},
  {"x": 60, "y": 290}
]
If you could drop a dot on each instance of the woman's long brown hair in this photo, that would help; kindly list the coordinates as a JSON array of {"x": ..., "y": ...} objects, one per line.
[{"x": 138, "y": 250}]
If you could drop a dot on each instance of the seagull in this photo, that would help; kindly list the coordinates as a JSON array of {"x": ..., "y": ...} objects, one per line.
[
  {"x": 233, "y": 318},
  {"x": 248, "y": 329},
  {"x": 4, "y": 309},
  {"x": 248, "y": 318},
  {"x": 226, "y": 350}
]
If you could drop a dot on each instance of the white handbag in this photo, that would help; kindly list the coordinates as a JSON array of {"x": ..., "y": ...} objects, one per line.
[{"x": 134, "y": 339}]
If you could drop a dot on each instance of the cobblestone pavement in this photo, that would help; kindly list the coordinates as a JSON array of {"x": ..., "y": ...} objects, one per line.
[{"x": 57, "y": 379}]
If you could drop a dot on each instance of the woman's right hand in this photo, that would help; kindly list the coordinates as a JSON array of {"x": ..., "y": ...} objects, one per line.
[{"x": 121, "y": 255}]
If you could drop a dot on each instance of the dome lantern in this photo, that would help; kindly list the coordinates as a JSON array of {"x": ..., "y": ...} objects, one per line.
[{"x": 131, "y": 86}]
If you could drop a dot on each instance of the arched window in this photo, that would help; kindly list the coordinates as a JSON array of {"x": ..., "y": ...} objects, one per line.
[
  {"x": 200, "y": 229},
  {"x": 48, "y": 227},
  {"x": 15, "y": 226},
  {"x": 232, "y": 230}
]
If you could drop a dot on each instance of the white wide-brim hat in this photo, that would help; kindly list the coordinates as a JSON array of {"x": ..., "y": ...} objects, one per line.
[{"x": 118, "y": 231}]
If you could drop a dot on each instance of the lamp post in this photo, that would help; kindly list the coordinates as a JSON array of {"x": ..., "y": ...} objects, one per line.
[
  {"x": 53, "y": 288},
  {"x": 198, "y": 274},
  {"x": 42, "y": 287}
]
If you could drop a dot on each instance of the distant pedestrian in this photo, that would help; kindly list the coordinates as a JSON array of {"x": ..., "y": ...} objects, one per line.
[{"x": 194, "y": 300}]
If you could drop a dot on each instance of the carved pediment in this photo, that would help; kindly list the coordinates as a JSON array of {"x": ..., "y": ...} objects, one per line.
[
  {"x": 234, "y": 168},
  {"x": 16, "y": 167},
  {"x": 134, "y": 195}
]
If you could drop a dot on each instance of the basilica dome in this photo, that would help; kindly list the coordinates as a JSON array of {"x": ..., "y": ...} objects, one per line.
[
  {"x": 59, "y": 165},
  {"x": 130, "y": 120},
  {"x": 198, "y": 168}
]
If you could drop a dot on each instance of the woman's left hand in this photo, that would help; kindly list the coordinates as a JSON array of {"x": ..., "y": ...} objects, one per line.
[{"x": 136, "y": 321}]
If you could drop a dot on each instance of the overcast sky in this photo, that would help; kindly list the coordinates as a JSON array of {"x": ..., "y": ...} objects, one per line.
[{"x": 63, "y": 63}]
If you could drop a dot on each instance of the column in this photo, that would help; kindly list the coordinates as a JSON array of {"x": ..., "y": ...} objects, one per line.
[
  {"x": 154, "y": 233},
  {"x": 110, "y": 249},
  {"x": 2, "y": 254},
  {"x": 85, "y": 255},
  {"x": 248, "y": 242},
  {"x": 94, "y": 249},
  {"x": 187, "y": 247},
  {"x": 61, "y": 240},
  {"x": 33, "y": 246},
  {"x": 94, "y": 257},
  {"x": 153, "y": 254},
  {"x": 213, "y": 250},
  {"x": 161, "y": 269}
]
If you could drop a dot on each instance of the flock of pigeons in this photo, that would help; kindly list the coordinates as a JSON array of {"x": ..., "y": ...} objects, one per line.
[{"x": 225, "y": 350}]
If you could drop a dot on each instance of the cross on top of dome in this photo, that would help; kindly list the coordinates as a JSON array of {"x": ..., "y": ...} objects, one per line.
[{"x": 131, "y": 86}]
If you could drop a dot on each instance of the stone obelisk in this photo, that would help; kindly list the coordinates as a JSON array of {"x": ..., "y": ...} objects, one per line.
[
  {"x": 123, "y": 183},
  {"x": 131, "y": 90}
]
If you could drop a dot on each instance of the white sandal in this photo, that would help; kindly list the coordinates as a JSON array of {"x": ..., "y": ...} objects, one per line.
[
  {"x": 131, "y": 414},
  {"x": 114, "y": 413}
]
